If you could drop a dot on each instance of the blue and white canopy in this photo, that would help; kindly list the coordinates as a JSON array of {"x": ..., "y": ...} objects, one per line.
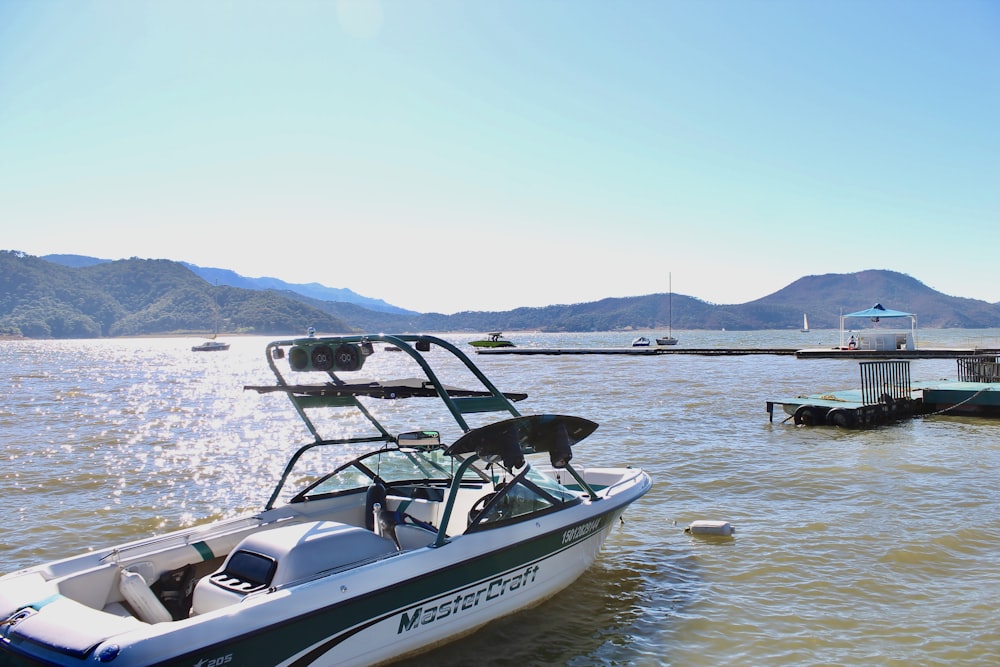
[
  {"x": 876, "y": 313},
  {"x": 878, "y": 310}
]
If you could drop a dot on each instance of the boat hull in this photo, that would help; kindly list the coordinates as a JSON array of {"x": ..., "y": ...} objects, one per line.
[{"x": 397, "y": 606}]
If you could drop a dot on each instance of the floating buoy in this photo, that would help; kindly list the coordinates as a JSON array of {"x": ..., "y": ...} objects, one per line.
[{"x": 717, "y": 528}]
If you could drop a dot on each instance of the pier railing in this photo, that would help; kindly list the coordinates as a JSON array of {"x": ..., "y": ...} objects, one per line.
[
  {"x": 979, "y": 369},
  {"x": 884, "y": 379}
]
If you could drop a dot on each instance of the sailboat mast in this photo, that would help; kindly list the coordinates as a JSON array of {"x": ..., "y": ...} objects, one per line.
[{"x": 670, "y": 305}]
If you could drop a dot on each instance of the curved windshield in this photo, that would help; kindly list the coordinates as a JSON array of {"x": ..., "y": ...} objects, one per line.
[
  {"x": 393, "y": 466},
  {"x": 551, "y": 486},
  {"x": 530, "y": 493}
]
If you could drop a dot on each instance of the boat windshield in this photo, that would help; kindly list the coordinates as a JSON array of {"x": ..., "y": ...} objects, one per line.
[
  {"x": 528, "y": 494},
  {"x": 550, "y": 486},
  {"x": 394, "y": 466}
]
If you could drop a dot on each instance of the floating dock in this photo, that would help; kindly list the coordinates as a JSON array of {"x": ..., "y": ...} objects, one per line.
[{"x": 887, "y": 395}]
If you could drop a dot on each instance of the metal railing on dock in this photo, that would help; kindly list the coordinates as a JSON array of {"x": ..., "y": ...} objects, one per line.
[
  {"x": 979, "y": 369},
  {"x": 880, "y": 379}
]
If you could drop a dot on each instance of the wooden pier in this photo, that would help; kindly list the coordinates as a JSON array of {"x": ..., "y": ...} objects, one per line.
[
  {"x": 916, "y": 353},
  {"x": 644, "y": 351},
  {"x": 808, "y": 353}
]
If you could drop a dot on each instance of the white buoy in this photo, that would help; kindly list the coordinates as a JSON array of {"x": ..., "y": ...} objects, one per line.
[{"x": 717, "y": 528}]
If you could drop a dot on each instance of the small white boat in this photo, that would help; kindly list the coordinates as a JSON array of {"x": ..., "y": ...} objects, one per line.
[
  {"x": 805, "y": 323},
  {"x": 400, "y": 545},
  {"x": 641, "y": 341}
]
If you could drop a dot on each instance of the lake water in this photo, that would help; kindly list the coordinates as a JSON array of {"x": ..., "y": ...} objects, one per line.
[{"x": 876, "y": 547}]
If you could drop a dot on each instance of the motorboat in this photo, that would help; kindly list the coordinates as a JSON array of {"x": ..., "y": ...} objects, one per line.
[
  {"x": 493, "y": 339},
  {"x": 210, "y": 346},
  {"x": 376, "y": 543},
  {"x": 640, "y": 341}
]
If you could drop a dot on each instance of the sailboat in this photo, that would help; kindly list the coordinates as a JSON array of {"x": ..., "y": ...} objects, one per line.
[
  {"x": 212, "y": 345},
  {"x": 669, "y": 338},
  {"x": 805, "y": 323}
]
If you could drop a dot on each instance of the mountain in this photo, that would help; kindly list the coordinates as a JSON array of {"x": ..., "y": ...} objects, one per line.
[
  {"x": 132, "y": 297},
  {"x": 80, "y": 297},
  {"x": 826, "y": 297},
  {"x": 74, "y": 261},
  {"x": 232, "y": 279}
]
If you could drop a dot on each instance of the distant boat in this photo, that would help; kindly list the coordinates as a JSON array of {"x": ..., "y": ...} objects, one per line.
[
  {"x": 805, "y": 323},
  {"x": 210, "y": 346},
  {"x": 669, "y": 338},
  {"x": 493, "y": 339},
  {"x": 641, "y": 341}
]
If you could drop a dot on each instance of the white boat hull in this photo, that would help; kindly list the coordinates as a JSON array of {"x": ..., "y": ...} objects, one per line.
[{"x": 403, "y": 604}]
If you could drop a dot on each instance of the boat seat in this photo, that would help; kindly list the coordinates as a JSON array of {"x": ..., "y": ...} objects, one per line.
[
  {"x": 405, "y": 530},
  {"x": 286, "y": 555},
  {"x": 410, "y": 536},
  {"x": 17, "y": 591},
  {"x": 68, "y": 626}
]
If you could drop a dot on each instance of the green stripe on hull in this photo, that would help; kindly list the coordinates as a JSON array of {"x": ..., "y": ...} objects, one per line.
[{"x": 203, "y": 550}]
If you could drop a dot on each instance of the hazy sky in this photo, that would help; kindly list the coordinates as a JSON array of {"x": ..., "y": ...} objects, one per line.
[{"x": 485, "y": 155}]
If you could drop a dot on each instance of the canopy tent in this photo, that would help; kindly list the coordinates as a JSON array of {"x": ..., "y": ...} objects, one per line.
[
  {"x": 876, "y": 313},
  {"x": 878, "y": 310}
]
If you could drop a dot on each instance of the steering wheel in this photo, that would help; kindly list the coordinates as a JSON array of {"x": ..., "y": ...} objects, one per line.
[{"x": 479, "y": 506}]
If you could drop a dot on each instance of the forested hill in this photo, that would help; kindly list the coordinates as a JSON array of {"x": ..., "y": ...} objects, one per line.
[
  {"x": 39, "y": 299},
  {"x": 43, "y": 299}
]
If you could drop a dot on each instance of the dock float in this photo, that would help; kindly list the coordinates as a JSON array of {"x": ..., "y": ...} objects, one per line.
[{"x": 888, "y": 395}]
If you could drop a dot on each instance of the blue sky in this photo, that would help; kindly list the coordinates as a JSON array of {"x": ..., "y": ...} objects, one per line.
[{"x": 449, "y": 156}]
